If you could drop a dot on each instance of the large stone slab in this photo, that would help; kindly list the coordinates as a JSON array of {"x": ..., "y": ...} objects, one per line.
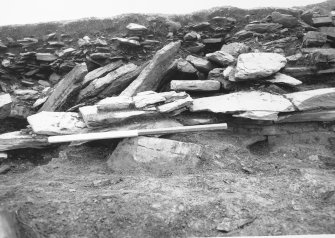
[
  {"x": 100, "y": 72},
  {"x": 155, "y": 155},
  {"x": 70, "y": 84},
  {"x": 100, "y": 84},
  {"x": 56, "y": 123},
  {"x": 195, "y": 85},
  {"x": 313, "y": 99},
  {"x": 235, "y": 48},
  {"x": 151, "y": 76},
  {"x": 5, "y": 105},
  {"x": 243, "y": 101},
  {"x": 258, "y": 65}
]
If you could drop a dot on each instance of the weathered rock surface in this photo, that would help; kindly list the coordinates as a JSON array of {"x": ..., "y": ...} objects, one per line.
[
  {"x": 243, "y": 101},
  {"x": 155, "y": 155},
  {"x": 151, "y": 76},
  {"x": 235, "y": 48},
  {"x": 258, "y": 65},
  {"x": 221, "y": 58},
  {"x": 195, "y": 85}
]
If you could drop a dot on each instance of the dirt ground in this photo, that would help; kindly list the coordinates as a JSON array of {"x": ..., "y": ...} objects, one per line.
[{"x": 261, "y": 190}]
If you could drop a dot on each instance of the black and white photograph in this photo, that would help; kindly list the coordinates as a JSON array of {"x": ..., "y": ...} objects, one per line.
[{"x": 167, "y": 119}]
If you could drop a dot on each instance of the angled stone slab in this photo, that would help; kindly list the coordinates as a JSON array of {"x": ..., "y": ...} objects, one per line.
[
  {"x": 70, "y": 84},
  {"x": 195, "y": 85},
  {"x": 258, "y": 65},
  {"x": 101, "y": 72},
  {"x": 5, "y": 105},
  {"x": 100, "y": 84},
  {"x": 151, "y": 76},
  {"x": 119, "y": 84},
  {"x": 280, "y": 78},
  {"x": 243, "y": 101},
  {"x": 155, "y": 155},
  {"x": 56, "y": 123},
  {"x": 313, "y": 99}
]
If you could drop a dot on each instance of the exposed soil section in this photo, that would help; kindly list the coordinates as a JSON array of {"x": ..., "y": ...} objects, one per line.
[{"x": 273, "y": 190}]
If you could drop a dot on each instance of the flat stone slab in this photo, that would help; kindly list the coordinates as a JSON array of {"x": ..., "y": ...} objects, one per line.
[
  {"x": 56, "y": 123},
  {"x": 195, "y": 85},
  {"x": 258, "y": 65},
  {"x": 136, "y": 27},
  {"x": 46, "y": 57},
  {"x": 155, "y": 155},
  {"x": 263, "y": 27},
  {"x": 243, "y": 101}
]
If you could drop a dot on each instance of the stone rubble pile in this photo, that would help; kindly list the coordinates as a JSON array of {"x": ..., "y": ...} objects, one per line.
[{"x": 273, "y": 72}]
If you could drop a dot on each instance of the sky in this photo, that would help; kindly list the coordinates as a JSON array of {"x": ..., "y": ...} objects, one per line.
[{"x": 34, "y": 11}]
